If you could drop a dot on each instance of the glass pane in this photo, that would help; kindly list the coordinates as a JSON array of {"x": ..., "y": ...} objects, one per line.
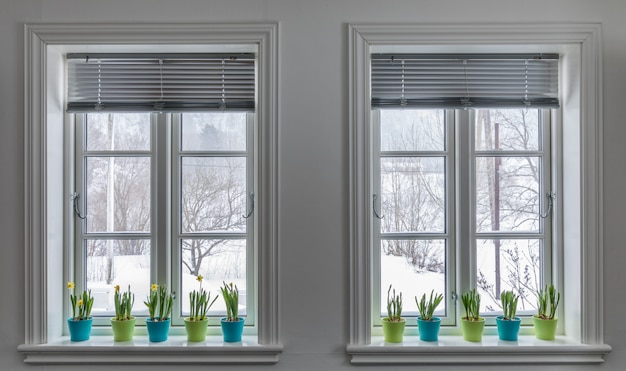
[
  {"x": 412, "y": 130},
  {"x": 413, "y": 267},
  {"x": 413, "y": 194},
  {"x": 118, "y": 131},
  {"x": 117, "y": 262},
  {"x": 118, "y": 194},
  {"x": 213, "y": 194},
  {"x": 507, "y": 129},
  {"x": 218, "y": 261},
  {"x": 507, "y": 194},
  {"x": 509, "y": 265},
  {"x": 211, "y": 131}
]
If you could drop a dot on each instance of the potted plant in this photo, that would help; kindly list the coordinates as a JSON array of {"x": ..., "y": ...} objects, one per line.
[
  {"x": 428, "y": 326},
  {"x": 160, "y": 308},
  {"x": 545, "y": 321},
  {"x": 123, "y": 325},
  {"x": 80, "y": 322},
  {"x": 393, "y": 324},
  {"x": 472, "y": 324},
  {"x": 508, "y": 324},
  {"x": 197, "y": 322},
  {"x": 232, "y": 324}
]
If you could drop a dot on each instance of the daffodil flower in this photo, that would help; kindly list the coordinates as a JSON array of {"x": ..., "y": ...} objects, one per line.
[
  {"x": 117, "y": 288},
  {"x": 199, "y": 278},
  {"x": 70, "y": 285},
  {"x": 80, "y": 303},
  {"x": 154, "y": 287}
]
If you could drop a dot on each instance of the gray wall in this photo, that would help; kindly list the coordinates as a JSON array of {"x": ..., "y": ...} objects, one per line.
[{"x": 314, "y": 150}]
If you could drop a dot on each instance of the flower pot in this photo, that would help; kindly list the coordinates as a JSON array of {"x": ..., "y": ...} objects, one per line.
[
  {"x": 508, "y": 329},
  {"x": 123, "y": 330},
  {"x": 393, "y": 331},
  {"x": 158, "y": 330},
  {"x": 232, "y": 330},
  {"x": 473, "y": 330},
  {"x": 429, "y": 329},
  {"x": 196, "y": 330},
  {"x": 79, "y": 329},
  {"x": 545, "y": 329}
]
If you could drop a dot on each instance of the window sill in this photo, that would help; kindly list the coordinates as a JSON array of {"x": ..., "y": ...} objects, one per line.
[
  {"x": 176, "y": 350},
  {"x": 454, "y": 350}
]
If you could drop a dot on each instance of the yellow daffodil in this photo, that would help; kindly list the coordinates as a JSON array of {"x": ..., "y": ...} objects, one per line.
[
  {"x": 117, "y": 288},
  {"x": 70, "y": 285},
  {"x": 199, "y": 278},
  {"x": 154, "y": 287},
  {"x": 80, "y": 303}
]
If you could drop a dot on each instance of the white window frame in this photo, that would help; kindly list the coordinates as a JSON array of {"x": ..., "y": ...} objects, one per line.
[
  {"x": 45, "y": 45},
  {"x": 580, "y": 161}
]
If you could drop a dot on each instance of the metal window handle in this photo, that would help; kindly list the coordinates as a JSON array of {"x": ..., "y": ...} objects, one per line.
[
  {"x": 75, "y": 196},
  {"x": 550, "y": 196},
  {"x": 374, "y": 197},
  {"x": 251, "y": 207}
]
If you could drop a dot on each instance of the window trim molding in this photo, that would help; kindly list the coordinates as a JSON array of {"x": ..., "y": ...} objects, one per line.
[
  {"x": 586, "y": 39},
  {"x": 39, "y": 224}
]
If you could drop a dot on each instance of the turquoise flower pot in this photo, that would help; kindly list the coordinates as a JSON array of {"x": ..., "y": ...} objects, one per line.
[
  {"x": 508, "y": 329},
  {"x": 232, "y": 330},
  {"x": 158, "y": 330},
  {"x": 79, "y": 330},
  {"x": 429, "y": 330}
]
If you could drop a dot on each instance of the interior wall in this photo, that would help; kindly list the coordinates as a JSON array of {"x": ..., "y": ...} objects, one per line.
[{"x": 313, "y": 151}]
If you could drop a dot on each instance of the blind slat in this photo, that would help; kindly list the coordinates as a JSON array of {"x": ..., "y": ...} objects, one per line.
[
  {"x": 122, "y": 82},
  {"x": 453, "y": 81}
]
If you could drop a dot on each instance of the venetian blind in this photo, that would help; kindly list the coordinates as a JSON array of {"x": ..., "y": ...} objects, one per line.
[
  {"x": 463, "y": 81},
  {"x": 167, "y": 82}
]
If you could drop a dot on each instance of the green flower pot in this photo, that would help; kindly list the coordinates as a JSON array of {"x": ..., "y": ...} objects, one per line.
[
  {"x": 196, "y": 330},
  {"x": 473, "y": 330},
  {"x": 123, "y": 330},
  {"x": 545, "y": 329},
  {"x": 393, "y": 331}
]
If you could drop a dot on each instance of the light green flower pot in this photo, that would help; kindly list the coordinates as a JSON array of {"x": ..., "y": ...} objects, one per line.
[
  {"x": 473, "y": 330},
  {"x": 123, "y": 330},
  {"x": 196, "y": 330},
  {"x": 393, "y": 331},
  {"x": 545, "y": 329}
]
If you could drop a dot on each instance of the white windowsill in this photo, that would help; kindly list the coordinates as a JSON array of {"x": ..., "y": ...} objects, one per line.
[
  {"x": 455, "y": 350},
  {"x": 176, "y": 350}
]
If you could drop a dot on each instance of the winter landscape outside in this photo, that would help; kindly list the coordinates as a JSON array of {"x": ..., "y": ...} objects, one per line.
[
  {"x": 211, "y": 203},
  {"x": 414, "y": 156}
]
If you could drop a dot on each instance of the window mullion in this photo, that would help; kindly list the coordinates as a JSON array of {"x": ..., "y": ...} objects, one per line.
[
  {"x": 465, "y": 199},
  {"x": 160, "y": 199}
]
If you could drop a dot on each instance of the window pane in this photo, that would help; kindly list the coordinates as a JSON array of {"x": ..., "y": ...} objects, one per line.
[
  {"x": 507, "y": 194},
  {"x": 117, "y": 262},
  {"x": 118, "y": 194},
  {"x": 211, "y": 131},
  {"x": 413, "y": 194},
  {"x": 213, "y": 194},
  {"x": 509, "y": 265},
  {"x": 413, "y": 267},
  {"x": 507, "y": 129},
  {"x": 118, "y": 131},
  {"x": 218, "y": 261},
  {"x": 412, "y": 130}
]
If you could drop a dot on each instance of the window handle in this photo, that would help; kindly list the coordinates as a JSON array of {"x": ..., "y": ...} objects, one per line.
[
  {"x": 374, "y": 197},
  {"x": 251, "y": 206},
  {"x": 550, "y": 196},
  {"x": 75, "y": 196}
]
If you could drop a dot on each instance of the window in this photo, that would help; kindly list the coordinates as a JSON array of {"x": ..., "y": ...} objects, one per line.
[
  {"x": 168, "y": 196},
  {"x": 162, "y": 152},
  {"x": 441, "y": 215},
  {"x": 461, "y": 184}
]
